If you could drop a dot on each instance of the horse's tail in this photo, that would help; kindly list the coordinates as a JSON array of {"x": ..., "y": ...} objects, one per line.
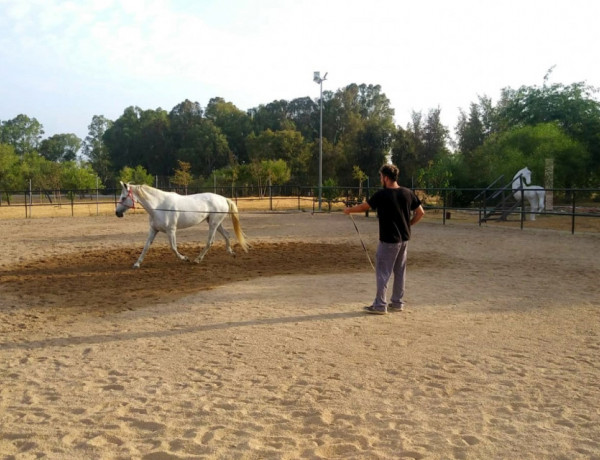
[{"x": 235, "y": 218}]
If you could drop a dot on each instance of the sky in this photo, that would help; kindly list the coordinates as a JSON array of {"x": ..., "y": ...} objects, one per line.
[{"x": 62, "y": 62}]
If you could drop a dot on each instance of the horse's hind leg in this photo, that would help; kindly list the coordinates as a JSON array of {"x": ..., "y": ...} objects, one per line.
[
  {"x": 212, "y": 228},
  {"x": 533, "y": 210},
  {"x": 225, "y": 234}
]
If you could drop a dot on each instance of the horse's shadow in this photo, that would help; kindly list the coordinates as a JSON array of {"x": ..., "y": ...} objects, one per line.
[{"x": 160, "y": 334}]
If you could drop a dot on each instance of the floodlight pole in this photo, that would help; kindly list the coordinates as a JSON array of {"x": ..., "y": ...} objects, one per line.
[{"x": 317, "y": 79}]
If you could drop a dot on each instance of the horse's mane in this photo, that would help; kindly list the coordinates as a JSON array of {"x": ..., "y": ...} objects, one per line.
[
  {"x": 520, "y": 172},
  {"x": 146, "y": 191},
  {"x": 141, "y": 190}
]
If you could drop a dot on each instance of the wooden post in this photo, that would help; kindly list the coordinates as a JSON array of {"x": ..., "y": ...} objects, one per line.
[{"x": 549, "y": 184}]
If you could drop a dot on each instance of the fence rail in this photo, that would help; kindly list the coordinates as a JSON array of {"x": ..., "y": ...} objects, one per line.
[{"x": 580, "y": 206}]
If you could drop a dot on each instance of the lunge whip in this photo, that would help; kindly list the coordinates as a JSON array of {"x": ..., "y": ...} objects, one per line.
[{"x": 362, "y": 242}]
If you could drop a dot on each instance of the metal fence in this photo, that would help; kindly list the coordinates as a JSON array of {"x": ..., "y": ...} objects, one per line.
[{"x": 578, "y": 206}]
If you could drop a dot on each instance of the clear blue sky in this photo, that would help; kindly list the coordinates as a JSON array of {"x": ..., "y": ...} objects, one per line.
[{"x": 63, "y": 62}]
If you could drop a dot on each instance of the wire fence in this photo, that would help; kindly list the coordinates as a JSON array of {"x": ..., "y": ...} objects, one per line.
[{"x": 566, "y": 209}]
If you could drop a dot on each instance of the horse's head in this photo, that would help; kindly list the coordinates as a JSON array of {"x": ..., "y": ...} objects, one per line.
[
  {"x": 525, "y": 173},
  {"x": 126, "y": 200}
]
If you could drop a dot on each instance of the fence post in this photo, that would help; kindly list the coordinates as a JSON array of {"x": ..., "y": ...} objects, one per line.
[
  {"x": 484, "y": 194},
  {"x": 444, "y": 207},
  {"x": 522, "y": 201},
  {"x": 573, "y": 215}
]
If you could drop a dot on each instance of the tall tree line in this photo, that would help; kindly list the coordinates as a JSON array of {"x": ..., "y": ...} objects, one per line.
[
  {"x": 279, "y": 141},
  {"x": 358, "y": 129},
  {"x": 526, "y": 127}
]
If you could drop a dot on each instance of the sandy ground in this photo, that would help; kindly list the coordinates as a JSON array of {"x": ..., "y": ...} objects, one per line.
[{"x": 268, "y": 355}]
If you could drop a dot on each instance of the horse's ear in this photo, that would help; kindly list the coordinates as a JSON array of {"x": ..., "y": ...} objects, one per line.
[{"x": 123, "y": 185}]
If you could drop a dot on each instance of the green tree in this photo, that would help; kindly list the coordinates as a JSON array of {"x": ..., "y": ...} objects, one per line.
[
  {"x": 74, "y": 176},
  {"x": 269, "y": 172},
  {"x": 155, "y": 142},
  {"x": 8, "y": 159},
  {"x": 205, "y": 148},
  {"x": 197, "y": 140},
  {"x": 23, "y": 133},
  {"x": 141, "y": 137},
  {"x": 334, "y": 162},
  {"x": 244, "y": 176},
  {"x": 330, "y": 191},
  {"x": 362, "y": 122},
  {"x": 184, "y": 117},
  {"x": 436, "y": 175},
  {"x": 122, "y": 139},
  {"x": 573, "y": 107},
  {"x": 305, "y": 114},
  {"x": 273, "y": 116},
  {"x": 435, "y": 136},
  {"x": 231, "y": 175},
  {"x": 277, "y": 171},
  {"x": 137, "y": 175},
  {"x": 235, "y": 125},
  {"x": 182, "y": 175},
  {"x": 405, "y": 156},
  {"x": 470, "y": 131},
  {"x": 420, "y": 144},
  {"x": 287, "y": 145},
  {"x": 530, "y": 146},
  {"x": 360, "y": 176},
  {"x": 373, "y": 143},
  {"x": 60, "y": 147},
  {"x": 96, "y": 151},
  {"x": 43, "y": 174},
  {"x": 10, "y": 173}
]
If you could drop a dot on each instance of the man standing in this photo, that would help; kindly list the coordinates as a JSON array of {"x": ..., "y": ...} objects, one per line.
[{"x": 394, "y": 205}]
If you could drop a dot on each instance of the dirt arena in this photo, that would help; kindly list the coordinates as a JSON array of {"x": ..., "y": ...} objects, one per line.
[{"x": 268, "y": 354}]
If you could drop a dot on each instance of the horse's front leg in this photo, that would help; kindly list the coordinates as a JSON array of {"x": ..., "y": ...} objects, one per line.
[
  {"x": 171, "y": 234},
  {"x": 151, "y": 235}
]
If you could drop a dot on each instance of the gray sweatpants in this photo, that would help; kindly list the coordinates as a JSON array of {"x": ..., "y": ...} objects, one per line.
[{"x": 390, "y": 259}]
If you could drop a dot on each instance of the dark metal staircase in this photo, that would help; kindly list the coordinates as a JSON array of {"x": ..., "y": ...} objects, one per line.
[{"x": 498, "y": 203}]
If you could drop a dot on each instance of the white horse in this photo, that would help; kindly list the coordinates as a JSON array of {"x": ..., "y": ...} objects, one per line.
[
  {"x": 534, "y": 194},
  {"x": 169, "y": 211}
]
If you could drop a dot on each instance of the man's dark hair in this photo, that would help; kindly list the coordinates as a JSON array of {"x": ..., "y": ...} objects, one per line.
[{"x": 390, "y": 171}]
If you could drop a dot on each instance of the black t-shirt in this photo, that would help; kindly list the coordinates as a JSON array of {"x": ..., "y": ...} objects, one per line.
[{"x": 393, "y": 206}]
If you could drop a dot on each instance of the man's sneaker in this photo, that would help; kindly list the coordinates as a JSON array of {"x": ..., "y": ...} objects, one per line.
[
  {"x": 376, "y": 310},
  {"x": 395, "y": 308}
]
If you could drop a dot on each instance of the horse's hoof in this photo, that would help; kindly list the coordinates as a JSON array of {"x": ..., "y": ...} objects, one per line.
[{"x": 136, "y": 265}]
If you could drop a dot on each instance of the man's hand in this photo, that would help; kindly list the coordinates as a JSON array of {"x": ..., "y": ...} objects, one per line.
[{"x": 363, "y": 207}]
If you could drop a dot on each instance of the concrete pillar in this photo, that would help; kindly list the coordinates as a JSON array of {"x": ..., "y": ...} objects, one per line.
[{"x": 549, "y": 183}]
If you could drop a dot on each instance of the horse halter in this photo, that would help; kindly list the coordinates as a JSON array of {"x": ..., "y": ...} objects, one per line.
[{"x": 129, "y": 195}]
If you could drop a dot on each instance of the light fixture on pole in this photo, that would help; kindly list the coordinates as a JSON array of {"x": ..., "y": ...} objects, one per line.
[{"x": 317, "y": 79}]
